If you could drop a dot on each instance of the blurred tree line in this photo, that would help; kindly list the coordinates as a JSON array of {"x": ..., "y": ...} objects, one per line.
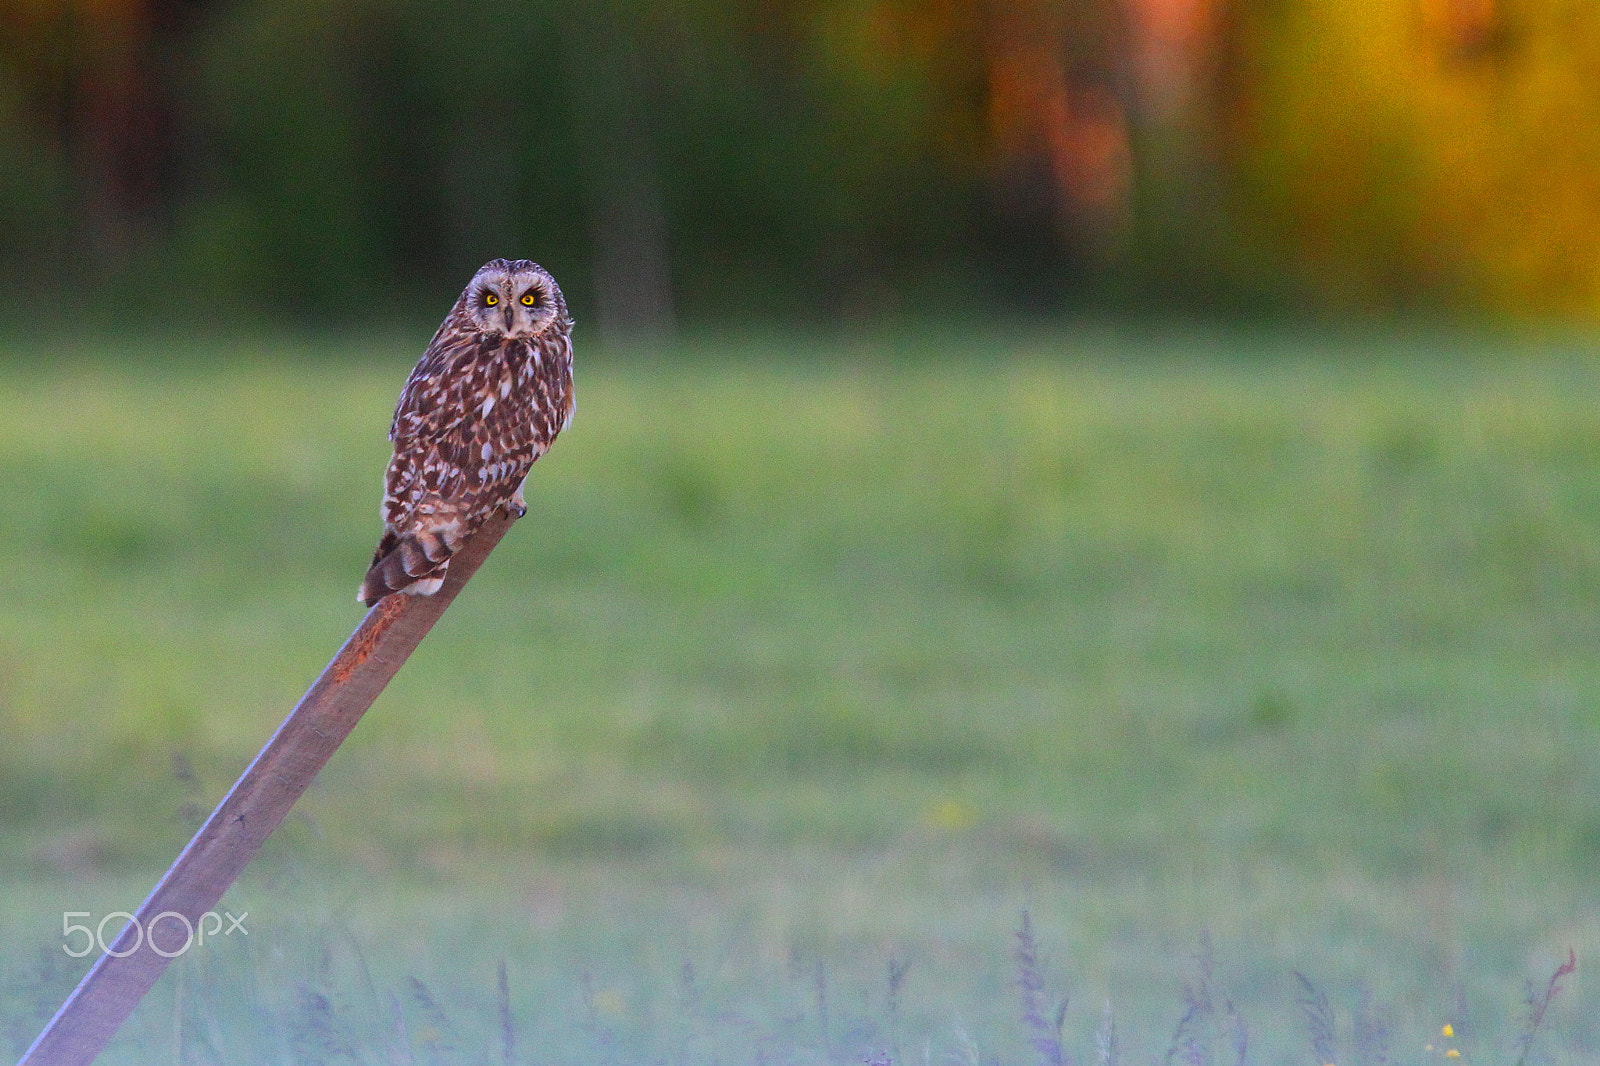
[{"x": 351, "y": 158}]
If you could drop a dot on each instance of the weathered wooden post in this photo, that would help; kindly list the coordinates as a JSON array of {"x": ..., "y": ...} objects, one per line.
[{"x": 204, "y": 870}]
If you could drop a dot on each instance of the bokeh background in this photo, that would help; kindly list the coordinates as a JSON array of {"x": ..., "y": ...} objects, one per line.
[
  {"x": 815, "y": 159},
  {"x": 1078, "y": 544}
]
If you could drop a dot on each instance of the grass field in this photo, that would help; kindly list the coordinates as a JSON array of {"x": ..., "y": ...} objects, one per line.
[{"x": 810, "y": 671}]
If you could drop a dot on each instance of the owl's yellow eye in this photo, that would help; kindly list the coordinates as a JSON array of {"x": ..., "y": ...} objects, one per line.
[
  {"x": 490, "y": 299},
  {"x": 530, "y": 298}
]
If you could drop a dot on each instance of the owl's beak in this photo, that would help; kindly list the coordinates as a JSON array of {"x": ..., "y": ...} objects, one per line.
[{"x": 506, "y": 311}]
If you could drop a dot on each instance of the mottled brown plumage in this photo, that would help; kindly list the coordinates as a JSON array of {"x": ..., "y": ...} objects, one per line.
[{"x": 486, "y": 400}]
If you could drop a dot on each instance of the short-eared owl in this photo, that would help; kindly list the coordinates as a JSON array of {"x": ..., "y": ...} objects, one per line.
[{"x": 487, "y": 398}]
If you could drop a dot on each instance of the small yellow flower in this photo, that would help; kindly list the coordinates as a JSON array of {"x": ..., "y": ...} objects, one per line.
[
  {"x": 1452, "y": 1054},
  {"x": 1448, "y": 1030},
  {"x": 951, "y": 815}
]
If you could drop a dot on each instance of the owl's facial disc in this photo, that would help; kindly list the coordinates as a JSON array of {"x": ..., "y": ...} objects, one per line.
[{"x": 513, "y": 299}]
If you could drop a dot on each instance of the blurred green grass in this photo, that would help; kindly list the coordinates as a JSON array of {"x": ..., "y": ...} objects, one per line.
[{"x": 855, "y": 648}]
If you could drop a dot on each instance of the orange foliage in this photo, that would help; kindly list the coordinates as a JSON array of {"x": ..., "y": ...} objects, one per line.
[
  {"x": 1047, "y": 75},
  {"x": 1170, "y": 38},
  {"x": 1080, "y": 131}
]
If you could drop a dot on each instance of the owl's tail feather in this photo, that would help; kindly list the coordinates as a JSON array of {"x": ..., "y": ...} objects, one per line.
[{"x": 413, "y": 563}]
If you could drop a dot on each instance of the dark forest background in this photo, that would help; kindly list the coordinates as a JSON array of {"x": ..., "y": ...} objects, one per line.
[{"x": 341, "y": 160}]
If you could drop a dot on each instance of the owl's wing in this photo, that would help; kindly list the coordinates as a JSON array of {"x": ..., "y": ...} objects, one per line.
[
  {"x": 463, "y": 440},
  {"x": 432, "y": 399},
  {"x": 424, "y": 518}
]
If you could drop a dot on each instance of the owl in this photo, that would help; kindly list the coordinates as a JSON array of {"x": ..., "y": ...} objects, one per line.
[{"x": 486, "y": 400}]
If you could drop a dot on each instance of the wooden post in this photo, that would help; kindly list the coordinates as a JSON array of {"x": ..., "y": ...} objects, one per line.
[{"x": 247, "y": 815}]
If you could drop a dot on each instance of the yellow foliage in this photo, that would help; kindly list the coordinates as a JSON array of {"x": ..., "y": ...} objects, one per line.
[{"x": 1436, "y": 150}]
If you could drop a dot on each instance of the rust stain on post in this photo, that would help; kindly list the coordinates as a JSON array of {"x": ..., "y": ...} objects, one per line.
[{"x": 366, "y": 638}]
